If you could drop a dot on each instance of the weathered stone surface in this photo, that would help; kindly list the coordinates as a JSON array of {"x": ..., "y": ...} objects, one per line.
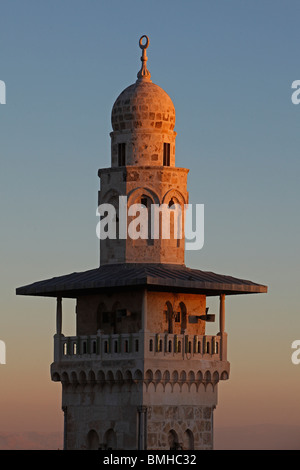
[
  {"x": 207, "y": 413},
  {"x": 144, "y": 368},
  {"x": 189, "y": 412},
  {"x": 207, "y": 438},
  {"x": 171, "y": 412},
  {"x": 152, "y": 440},
  {"x": 156, "y": 186}
]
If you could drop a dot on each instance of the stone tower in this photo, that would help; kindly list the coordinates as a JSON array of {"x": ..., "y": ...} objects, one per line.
[
  {"x": 141, "y": 372},
  {"x": 143, "y": 168}
]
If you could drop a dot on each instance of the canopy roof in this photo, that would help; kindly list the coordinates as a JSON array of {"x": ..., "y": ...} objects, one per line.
[{"x": 162, "y": 277}]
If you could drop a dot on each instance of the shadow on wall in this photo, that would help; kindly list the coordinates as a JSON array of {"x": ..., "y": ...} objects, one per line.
[{"x": 109, "y": 440}]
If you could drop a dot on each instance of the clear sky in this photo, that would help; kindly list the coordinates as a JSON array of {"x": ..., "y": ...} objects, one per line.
[{"x": 228, "y": 67}]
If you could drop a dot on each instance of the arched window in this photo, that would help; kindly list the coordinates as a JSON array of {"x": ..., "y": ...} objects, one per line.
[
  {"x": 122, "y": 154},
  {"x": 147, "y": 202},
  {"x": 183, "y": 317},
  {"x": 166, "y": 154},
  {"x": 102, "y": 317},
  {"x": 92, "y": 440},
  {"x": 173, "y": 440},
  {"x": 176, "y": 220},
  {"x": 116, "y": 318},
  {"x": 188, "y": 440},
  {"x": 169, "y": 317},
  {"x": 110, "y": 440},
  {"x": 171, "y": 203}
]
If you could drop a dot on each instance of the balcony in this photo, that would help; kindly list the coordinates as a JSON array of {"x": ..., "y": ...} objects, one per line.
[{"x": 139, "y": 345}]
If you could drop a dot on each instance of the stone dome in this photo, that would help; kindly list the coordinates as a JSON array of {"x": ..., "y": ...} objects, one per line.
[
  {"x": 143, "y": 105},
  {"x": 143, "y": 121}
]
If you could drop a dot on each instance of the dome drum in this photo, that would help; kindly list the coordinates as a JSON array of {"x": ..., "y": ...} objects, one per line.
[
  {"x": 143, "y": 121},
  {"x": 143, "y": 147}
]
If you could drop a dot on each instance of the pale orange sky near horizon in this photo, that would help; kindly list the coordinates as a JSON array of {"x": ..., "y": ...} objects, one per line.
[{"x": 255, "y": 393}]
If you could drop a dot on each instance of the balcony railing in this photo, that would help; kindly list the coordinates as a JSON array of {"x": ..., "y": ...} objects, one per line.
[
  {"x": 99, "y": 345},
  {"x": 186, "y": 345},
  {"x": 142, "y": 344}
]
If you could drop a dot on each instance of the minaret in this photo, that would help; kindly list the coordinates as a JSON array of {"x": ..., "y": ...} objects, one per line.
[
  {"x": 141, "y": 372},
  {"x": 143, "y": 170}
]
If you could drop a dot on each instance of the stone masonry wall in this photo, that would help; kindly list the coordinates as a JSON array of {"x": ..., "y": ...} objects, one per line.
[
  {"x": 160, "y": 185},
  {"x": 192, "y": 425}
]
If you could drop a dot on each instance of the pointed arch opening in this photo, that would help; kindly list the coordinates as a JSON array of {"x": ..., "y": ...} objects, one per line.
[
  {"x": 147, "y": 202},
  {"x": 102, "y": 317},
  {"x": 92, "y": 440},
  {"x": 173, "y": 440},
  {"x": 183, "y": 317},
  {"x": 188, "y": 440},
  {"x": 169, "y": 317},
  {"x": 110, "y": 440}
]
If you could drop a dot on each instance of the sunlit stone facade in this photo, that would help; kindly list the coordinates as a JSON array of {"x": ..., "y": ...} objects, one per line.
[{"x": 141, "y": 372}]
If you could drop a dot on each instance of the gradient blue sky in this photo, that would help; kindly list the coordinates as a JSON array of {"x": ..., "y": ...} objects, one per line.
[{"x": 228, "y": 67}]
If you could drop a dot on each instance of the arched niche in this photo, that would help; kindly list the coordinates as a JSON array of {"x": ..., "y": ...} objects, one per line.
[
  {"x": 188, "y": 440},
  {"x": 110, "y": 440},
  {"x": 173, "y": 442},
  {"x": 92, "y": 440},
  {"x": 169, "y": 317}
]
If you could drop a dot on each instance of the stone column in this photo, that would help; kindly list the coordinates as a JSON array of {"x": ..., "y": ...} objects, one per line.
[
  {"x": 64, "y": 408},
  {"x": 144, "y": 337},
  {"x": 223, "y": 351},
  {"x": 58, "y": 335},
  {"x": 212, "y": 426},
  {"x": 144, "y": 310},
  {"x": 142, "y": 428},
  {"x": 58, "y": 315}
]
